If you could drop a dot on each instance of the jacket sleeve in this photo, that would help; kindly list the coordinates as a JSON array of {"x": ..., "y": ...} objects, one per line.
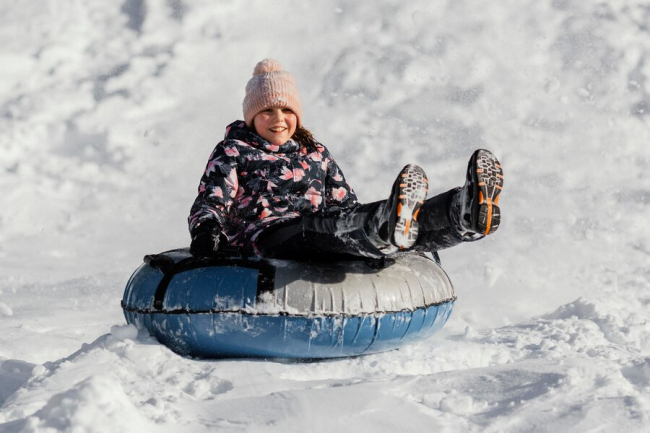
[
  {"x": 217, "y": 189},
  {"x": 339, "y": 195}
]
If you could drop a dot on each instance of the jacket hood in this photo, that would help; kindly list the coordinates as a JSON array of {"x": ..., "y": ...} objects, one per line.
[{"x": 239, "y": 131}]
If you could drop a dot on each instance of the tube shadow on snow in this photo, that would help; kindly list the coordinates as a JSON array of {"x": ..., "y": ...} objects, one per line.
[{"x": 13, "y": 375}]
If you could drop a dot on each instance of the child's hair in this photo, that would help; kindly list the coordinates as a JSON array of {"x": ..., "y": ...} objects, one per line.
[{"x": 305, "y": 138}]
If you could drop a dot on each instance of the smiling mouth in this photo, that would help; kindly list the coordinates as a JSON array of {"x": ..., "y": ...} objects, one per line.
[{"x": 277, "y": 130}]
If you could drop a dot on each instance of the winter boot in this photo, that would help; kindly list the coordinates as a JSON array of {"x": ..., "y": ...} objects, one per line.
[
  {"x": 475, "y": 208},
  {"x": 395, "y": 223}
]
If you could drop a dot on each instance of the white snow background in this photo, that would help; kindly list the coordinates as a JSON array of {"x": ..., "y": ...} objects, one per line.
[{"x": 109, "y": 110}]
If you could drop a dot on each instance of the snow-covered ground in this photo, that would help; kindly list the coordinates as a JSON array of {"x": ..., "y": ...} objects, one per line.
[{"x": 109, "y": 110}]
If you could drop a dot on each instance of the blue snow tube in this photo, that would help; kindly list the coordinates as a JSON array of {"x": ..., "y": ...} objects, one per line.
[{"x": 236, "y": 307}]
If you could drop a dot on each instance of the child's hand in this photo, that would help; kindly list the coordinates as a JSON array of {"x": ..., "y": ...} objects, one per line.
[{"x": 205, "y": 241}]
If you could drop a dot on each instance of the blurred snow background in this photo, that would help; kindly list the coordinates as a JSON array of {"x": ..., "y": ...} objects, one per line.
[{"x": 109, "y": 110}]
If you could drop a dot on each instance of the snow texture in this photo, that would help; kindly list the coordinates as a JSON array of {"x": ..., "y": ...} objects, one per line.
[{"x": 109, "y": 111}]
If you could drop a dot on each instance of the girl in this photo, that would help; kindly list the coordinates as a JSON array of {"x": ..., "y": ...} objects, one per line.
[{"x": 271, "y": 190}]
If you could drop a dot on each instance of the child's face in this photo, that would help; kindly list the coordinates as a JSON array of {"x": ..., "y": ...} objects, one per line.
[{"x": 275, "y": 124}]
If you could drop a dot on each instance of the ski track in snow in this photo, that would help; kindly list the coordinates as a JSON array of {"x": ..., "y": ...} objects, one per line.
[{"x": 109, "y": 111}]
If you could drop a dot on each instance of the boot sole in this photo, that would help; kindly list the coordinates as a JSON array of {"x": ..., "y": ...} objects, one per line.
[
  {"x": 488, "y": 178},
  {"x": 413, "y": 188}
]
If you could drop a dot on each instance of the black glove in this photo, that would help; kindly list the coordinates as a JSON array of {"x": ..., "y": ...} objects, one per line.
[{"x": 205, "y": 240}]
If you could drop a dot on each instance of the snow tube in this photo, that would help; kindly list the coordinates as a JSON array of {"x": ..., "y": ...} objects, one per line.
[{"x": 237, "y": 307}]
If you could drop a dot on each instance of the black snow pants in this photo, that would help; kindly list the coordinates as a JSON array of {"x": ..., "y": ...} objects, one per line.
[{"x": 346, "y": 236}]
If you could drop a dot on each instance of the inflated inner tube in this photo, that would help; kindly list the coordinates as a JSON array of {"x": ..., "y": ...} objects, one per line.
[{"x": 237, "y": 307}]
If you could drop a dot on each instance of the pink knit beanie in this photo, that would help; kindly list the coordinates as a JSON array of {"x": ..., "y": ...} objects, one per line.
[{"x": 271, "y": 86}]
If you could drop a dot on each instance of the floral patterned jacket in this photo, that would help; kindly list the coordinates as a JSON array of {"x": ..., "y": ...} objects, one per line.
[{"x": 250, "y": 185}]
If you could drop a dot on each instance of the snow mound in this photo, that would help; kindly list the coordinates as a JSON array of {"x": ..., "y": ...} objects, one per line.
[
  {"x": 90, "y": 406},
  {"x": 528, "y": 376},
  {"x": 49, "y": 320},
  {"x": 124, "y": 332}
]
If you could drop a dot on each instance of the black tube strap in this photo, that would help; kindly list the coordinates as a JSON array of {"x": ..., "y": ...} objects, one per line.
[{"x": 169, "y": 268}]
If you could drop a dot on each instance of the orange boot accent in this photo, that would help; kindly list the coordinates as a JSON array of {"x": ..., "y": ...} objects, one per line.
[{"x": 489, "y": 217}]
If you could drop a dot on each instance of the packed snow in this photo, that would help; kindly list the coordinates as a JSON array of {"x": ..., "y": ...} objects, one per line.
[{"x": 109, "y": 111}]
